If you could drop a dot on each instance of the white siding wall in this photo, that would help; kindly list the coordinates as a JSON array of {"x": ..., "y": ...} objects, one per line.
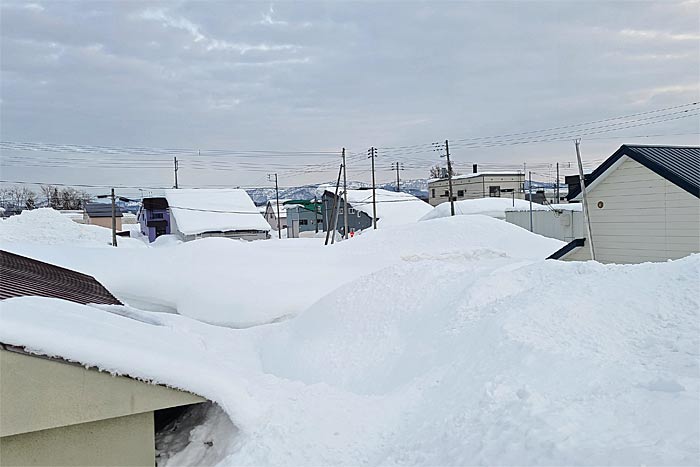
[
  {"x": 644, "y": 217},
  {"x": 562, "y": 225}
]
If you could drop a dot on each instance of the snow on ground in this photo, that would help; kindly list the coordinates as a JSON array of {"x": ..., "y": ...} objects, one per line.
[
  {"x": 450, "y": 342},
  {"x": 229, "y": 282},
  {"x": 432, "y": 361},
  {"x": 47, "y": 226},
  {"x": 493, "y": 207}
]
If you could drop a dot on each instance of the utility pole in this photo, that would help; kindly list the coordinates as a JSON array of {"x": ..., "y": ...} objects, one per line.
[
  {"x": 397, "y": 166},
  {"x": 277, "y": 195},
  {"x": 330, "y": 226},
  {"x": 113, "y": 198},
  {"x": 529, "y": 188},
  {"x": 176, "y": 167},
  {"x": 316, "y": 212},
  {"x": 557, "y": 190},
  {"x": 345, "y": 198},
  {"x": 372, "y": 154},
  {"x": 114, "y": 219},
  {"x": 586, "y": 212},
  {"x": 438, "y": 147}
]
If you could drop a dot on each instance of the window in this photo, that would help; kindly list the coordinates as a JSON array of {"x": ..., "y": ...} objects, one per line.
[
  {"x": 495, "y": 191},
  {"x": 460, "y": 193},
  {"x": 157, "y": 215},
  {"x": 351, "y": 211},
  {"x": 303, "y": 222},
  {"x": 433, "y": 193},
  {"x": 340, "y": 210},
  {"x": 447, "y": 193}
]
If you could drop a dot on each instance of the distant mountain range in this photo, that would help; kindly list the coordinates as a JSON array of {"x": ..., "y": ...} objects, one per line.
[{"x": 418, "y": 187}]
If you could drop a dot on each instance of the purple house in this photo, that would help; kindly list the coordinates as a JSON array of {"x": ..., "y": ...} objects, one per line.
[{"x": 154, "y": 218}]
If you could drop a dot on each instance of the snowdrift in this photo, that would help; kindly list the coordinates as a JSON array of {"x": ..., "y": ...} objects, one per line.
[
  {"x": 493, "y": 207},
  {"x": 241, "y": 284},
  {"x": 459, "y": 360},
  {"x": 47, "y": 226}
]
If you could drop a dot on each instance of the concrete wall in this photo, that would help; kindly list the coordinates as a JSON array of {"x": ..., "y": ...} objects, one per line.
[
  {"x": 561, "y": 224},
  {"x": 55, "y": 413},
  {"x": 638, "y": 216},
  {"x": 474, "y": 187}
]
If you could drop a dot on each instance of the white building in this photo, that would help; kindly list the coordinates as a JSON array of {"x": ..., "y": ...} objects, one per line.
[
  {"x": 644, "y": 206},
  {"x": 271, "y": 213},
  {"x": 230, "y": 213},
  {"x": 477, "y": 185}
]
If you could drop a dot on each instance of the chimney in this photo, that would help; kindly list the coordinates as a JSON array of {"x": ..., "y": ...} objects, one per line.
[{"x": 475, "y": 169}]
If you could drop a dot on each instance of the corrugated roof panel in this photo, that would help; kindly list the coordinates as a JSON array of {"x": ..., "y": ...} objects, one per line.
[{"x": 22, "y": 276}]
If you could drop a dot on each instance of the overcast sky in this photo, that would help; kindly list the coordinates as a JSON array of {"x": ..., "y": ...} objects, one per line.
[{"x": 319, "y": 76}]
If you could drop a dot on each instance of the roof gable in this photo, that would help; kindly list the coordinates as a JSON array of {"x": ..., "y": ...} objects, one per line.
[{"x": 679, "y": 165}]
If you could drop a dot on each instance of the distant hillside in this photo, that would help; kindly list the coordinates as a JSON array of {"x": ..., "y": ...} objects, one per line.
[{"x": 260, "y": 196}]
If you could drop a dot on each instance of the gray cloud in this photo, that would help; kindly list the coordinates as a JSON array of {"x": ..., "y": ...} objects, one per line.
[{"x": 325, "y": 75}]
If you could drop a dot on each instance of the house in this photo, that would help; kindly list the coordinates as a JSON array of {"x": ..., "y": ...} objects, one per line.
[
  {"x": 271, "y": 212},
  {"x": 55, "y": 412},
  {"x": 101, "y": 214},
  {"x": 643, "y": 206},
  {"x": 229, "y": 213},
  {"x": 393, "y": 208},
  {"x": 477, "y": 185},
  {"x": 154, "y": 218},
  {"x": 304, "y": 216}
]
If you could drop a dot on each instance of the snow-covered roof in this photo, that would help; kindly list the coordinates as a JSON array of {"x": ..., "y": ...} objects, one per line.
[
  {"x": 393, "y": 208},
  {"x": 214, "y": 210},
  {"x": 283, "y": 207}
]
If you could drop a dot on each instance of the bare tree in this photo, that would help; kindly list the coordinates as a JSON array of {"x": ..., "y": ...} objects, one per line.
[
  {"x": 436, "y": 171},
  {"x": 17, "y": 197}
]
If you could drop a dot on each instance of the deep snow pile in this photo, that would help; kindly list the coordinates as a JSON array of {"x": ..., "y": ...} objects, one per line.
[
  {"x": 492, "y": 207},
  {"x": 240, "y": 284},
  {"x": 460, "y": 360},
  {"x": 47, "y": 226}
]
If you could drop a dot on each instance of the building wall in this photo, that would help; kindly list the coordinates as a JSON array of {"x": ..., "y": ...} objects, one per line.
[
  {"x": 474, "y": 187},
  {"x": 301, "y": 219},
  {"x": 643, "y": 217},
  {"x": 271, "y": 216},
  {"x": 357, "y": 220},
  {"x": 57, "y": 413},
  {"x": 562, "y": 224},
  {"x": 121, "y": 441},
  {"x": 146, "y": 215},
  {"x": 104, "y": 222}
]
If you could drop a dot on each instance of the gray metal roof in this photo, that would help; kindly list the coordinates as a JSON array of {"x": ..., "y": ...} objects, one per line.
[
  {"x": 101, "y": 210},
  {"x": 23, "y": 276},
  {"x": 678, "y": 164}
]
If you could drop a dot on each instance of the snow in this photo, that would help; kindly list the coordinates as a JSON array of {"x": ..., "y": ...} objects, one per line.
[
  {"x": 47, "y": 226},
  {"x": 231, "y": 279},
  {"x": 214, "y": 210},
  {"x": 431, "y": 361},
  {"x": 393, "y": 208},
  {"x": 492, "y": 207},
  {"x": 449, "y": 342}
]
